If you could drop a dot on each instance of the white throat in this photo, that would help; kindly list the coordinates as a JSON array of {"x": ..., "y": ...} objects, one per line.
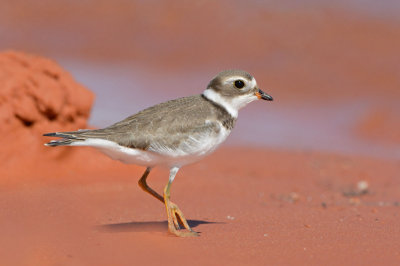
[{"x": 232, "y": 105}]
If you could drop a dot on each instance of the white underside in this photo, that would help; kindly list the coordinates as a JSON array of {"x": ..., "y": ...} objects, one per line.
[{"x": 192, "y": 151}]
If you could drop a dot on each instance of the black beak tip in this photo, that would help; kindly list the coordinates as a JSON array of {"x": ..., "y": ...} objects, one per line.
[{"x": 267, "y": 97}]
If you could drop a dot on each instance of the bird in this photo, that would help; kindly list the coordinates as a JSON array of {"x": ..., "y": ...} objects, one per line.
[{"x": 173, "y": 134}]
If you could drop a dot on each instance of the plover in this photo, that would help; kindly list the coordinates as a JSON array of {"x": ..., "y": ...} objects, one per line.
[{"x": 173, "y": 133}]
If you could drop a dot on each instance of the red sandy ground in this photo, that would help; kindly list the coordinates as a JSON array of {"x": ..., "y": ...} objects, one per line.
[
  {"x": 253, "y": 207},
  {"x": 71, "y": 206}
]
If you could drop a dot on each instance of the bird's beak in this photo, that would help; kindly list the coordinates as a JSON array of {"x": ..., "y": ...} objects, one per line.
[{"x": 262, "y": 95}]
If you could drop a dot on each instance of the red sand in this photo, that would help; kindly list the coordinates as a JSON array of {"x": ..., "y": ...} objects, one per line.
[{"x": 280, "y": 208}]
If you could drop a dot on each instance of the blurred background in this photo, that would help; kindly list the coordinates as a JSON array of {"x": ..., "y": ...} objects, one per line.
[{"x": 333, "y": 67}]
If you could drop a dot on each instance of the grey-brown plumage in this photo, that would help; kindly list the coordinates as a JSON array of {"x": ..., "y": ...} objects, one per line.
[{"x": 167, "y": 125}]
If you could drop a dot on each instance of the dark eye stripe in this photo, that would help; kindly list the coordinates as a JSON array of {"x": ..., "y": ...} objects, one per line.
[{"x": 239, "y": 84}]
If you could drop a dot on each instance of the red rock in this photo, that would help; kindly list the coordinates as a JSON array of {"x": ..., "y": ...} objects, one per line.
[
  {"x": 36, "y": 96},
  {"x": 35, "y": 89}
]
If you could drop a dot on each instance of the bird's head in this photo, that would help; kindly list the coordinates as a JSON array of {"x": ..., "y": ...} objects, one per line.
[{"x": 233, "y": 89}]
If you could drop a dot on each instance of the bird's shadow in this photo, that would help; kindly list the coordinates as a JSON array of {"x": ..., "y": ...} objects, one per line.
[{"x": 145, "y": 226}]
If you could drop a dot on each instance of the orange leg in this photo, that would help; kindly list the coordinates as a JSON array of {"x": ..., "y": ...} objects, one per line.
[{"x": 175, "y": 215}]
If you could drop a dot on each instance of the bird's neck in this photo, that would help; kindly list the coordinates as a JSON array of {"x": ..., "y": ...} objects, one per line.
[{"x": 216, "y": 98}]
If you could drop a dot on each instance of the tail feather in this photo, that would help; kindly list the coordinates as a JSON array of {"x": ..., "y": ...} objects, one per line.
[
  {"x": 59, "y": 142},
  {"x": 66, "y": 138}
]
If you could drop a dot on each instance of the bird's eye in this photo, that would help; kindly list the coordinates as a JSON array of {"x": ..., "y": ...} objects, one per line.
[{"x": 239, "y": 84}]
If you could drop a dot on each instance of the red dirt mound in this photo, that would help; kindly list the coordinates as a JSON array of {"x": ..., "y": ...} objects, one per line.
[{"x": 36, "y": 96}]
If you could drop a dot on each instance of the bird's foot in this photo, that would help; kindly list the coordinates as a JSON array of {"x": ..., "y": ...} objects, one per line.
[{"x": 176, "y": 217}]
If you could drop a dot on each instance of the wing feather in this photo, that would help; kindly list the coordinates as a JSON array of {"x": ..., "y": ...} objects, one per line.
[{"x": 177, "y": 124}]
